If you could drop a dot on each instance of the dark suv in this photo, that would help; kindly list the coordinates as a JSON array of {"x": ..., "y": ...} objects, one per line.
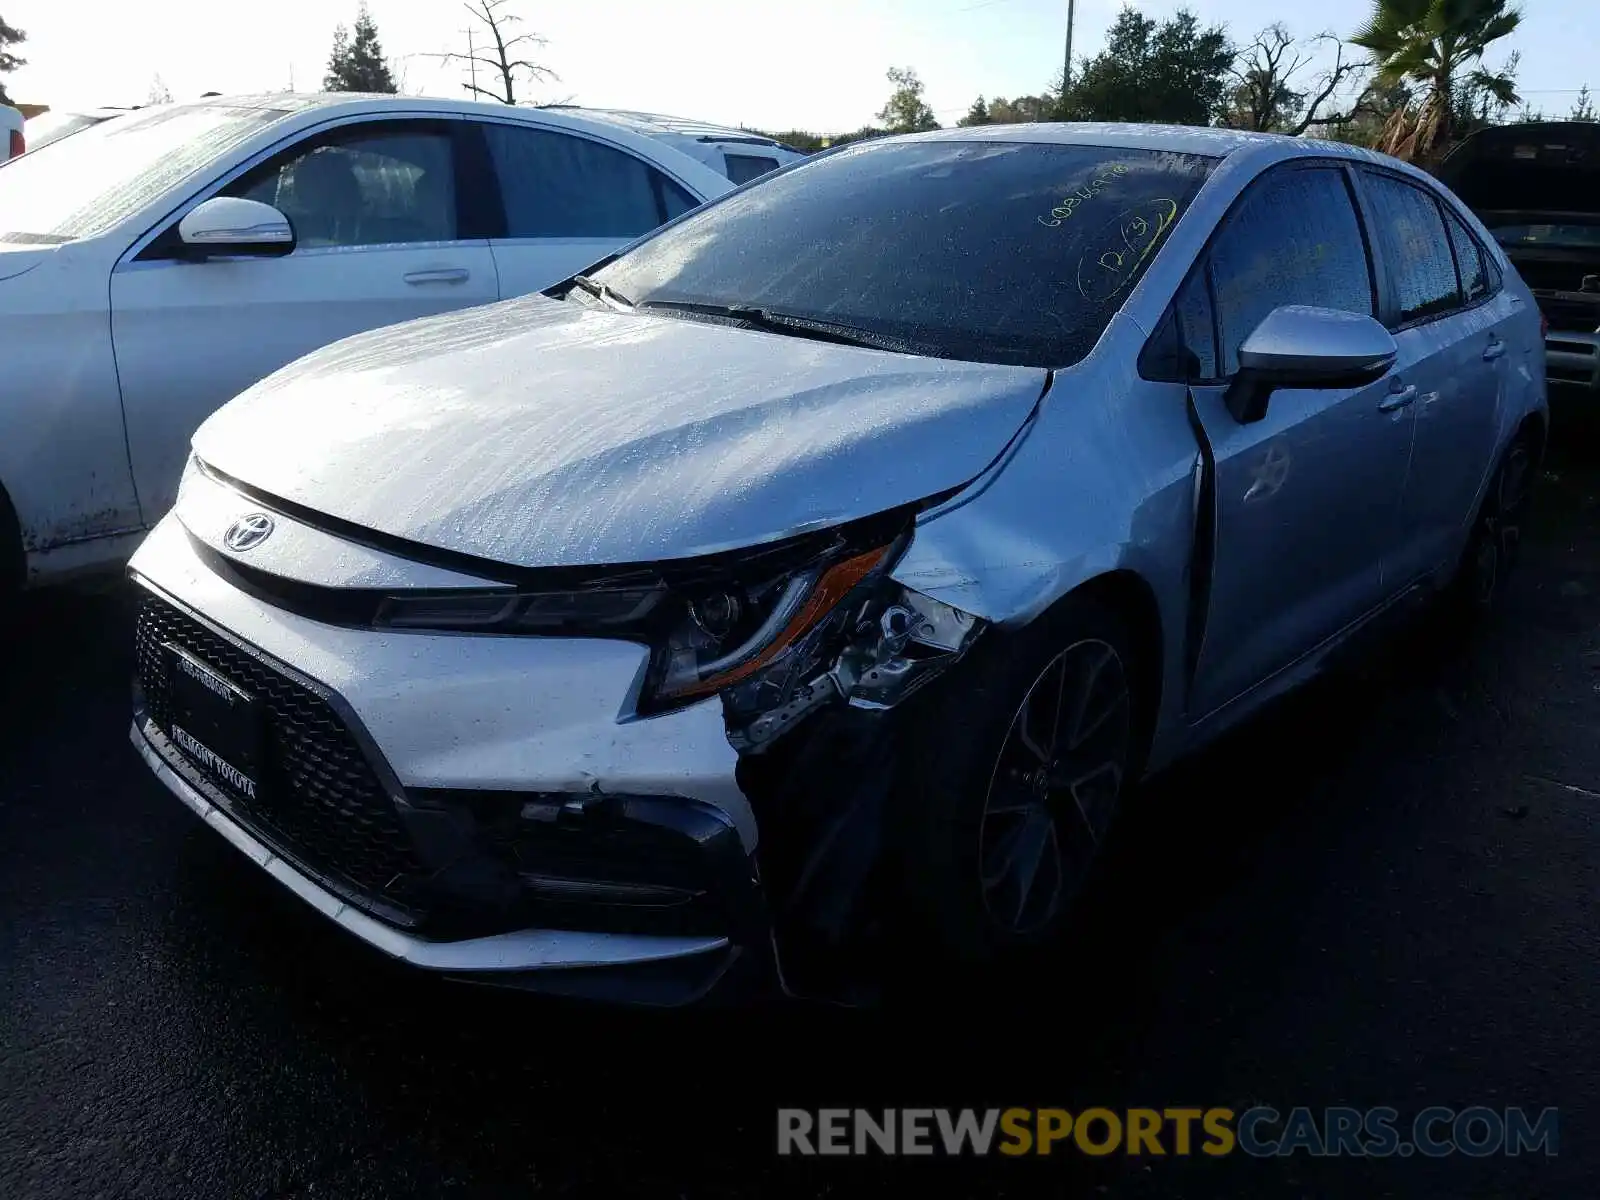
[{"x": 1537, "y": 188}]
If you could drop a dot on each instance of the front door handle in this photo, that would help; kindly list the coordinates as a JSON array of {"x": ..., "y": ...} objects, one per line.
[
  {"x": 439, "y": 275},
  {"x": 1398, "y": 397},
  {"x": 1494, "y": 350}
]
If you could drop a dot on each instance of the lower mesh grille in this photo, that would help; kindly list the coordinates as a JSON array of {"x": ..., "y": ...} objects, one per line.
[{"x": 319, "y": 802}]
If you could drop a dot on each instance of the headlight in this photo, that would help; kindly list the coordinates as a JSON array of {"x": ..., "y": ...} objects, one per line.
[{"x": 711, "y": 624}]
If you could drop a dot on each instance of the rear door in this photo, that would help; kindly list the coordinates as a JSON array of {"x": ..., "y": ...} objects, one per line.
[
  {"x": 1452, "y": 339},
  {"x": 383, "y": 214},
  {"x": 568, "y": 201},
  {"x": 1306, "y": 497}
]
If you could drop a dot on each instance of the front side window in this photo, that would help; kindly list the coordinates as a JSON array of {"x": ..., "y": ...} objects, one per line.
[
  {"x": 1294, "y": 240},
  {"x": 365, "y": 188},
  {"x": 83, "y": 185},
  {"x": 1007, "y": 252},
  {"x": 557, "y": 185},
  {"x": 1410, "y": 235}
]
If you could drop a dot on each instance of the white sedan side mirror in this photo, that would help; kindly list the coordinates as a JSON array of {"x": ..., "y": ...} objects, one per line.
[{"x": 231, "y": 226}]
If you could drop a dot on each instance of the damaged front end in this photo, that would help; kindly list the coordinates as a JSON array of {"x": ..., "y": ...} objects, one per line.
[
  {"x": 820, "y": 727},
  {"x": 813, "y": 650}
]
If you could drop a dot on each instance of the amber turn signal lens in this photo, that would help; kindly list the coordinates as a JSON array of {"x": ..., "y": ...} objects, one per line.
[{"x": 835, "y": 584}]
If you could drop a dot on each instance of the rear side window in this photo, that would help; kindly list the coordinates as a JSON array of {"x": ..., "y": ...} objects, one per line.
[
  {"x": 742, "y": 168},
  {"x": 1294, "y": 240},
  {"x": 1469, "y": 261},
  {"x": 556, "y": 185},
  {"x": 1410, "y": 234}
]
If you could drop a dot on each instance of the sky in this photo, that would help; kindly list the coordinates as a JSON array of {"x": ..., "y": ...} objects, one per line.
[{"x": 816, "y": 65}]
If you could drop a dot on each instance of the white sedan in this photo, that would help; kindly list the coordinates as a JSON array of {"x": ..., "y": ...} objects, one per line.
[{"x": 154, "y": 266}]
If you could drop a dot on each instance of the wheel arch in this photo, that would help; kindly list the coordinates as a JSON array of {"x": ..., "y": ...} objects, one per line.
[
  {"x": 13, "y": 558},
  {"x": 1130, "y": 595}
]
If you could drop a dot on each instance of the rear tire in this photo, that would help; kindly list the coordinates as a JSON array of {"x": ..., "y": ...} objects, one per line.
[
  {"x": 1018, "y": 762},
  {"x": 13, "y": 560},
  {"x": 1496, "y": 541}
]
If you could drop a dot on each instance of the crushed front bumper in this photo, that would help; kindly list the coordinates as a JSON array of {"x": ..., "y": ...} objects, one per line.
[
  {"x": 470, "y": 806},
  {"x": 619, "y": 967}
]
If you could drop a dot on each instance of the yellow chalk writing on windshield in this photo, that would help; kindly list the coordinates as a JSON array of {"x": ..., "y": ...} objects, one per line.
[
  {"x": 1070, "y": 203},
  {"x": 1136, "y": 232}
]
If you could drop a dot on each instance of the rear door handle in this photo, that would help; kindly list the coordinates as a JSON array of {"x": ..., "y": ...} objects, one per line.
[
  {"x": 439, "y": 275},
  {"x": 1494, "y": 350},
  {"x": 1398, "y": 397}
]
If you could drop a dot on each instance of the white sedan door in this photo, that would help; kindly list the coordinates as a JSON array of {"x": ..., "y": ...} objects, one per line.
[
  {"x": 569, "y": 201},
  {"x": 379, "y": 210}
]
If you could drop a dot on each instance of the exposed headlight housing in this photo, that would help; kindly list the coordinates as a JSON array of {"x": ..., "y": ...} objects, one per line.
[{"x": 713, "y": 624}]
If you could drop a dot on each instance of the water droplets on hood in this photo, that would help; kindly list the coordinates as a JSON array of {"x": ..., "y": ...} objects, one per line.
[{"x": 538, "y": 432}]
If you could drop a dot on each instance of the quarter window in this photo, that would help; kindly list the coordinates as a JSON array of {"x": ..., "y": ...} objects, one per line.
[
  {"x": 1469, "y": 260},
  {"x": 365, "y": 189},
  {"x": 1410, "y": 234},
  {"x": 557, "y": 185},
  {"x": 742, "y": 168},
  {"x": 1184, "y": 348},
  {"x": 1294, "y": 240}
]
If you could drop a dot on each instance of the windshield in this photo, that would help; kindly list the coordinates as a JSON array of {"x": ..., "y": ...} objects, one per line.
[
  {"x": 1000, "y": 252},
  {"x": 82, "y": 185},
  {"x": 49, "y": 127}
]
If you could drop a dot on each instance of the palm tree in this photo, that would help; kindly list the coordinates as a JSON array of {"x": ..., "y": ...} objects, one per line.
[{"x": 1435, "y": 48}]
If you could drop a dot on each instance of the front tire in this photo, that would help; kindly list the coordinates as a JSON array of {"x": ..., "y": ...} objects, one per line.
[{"x": 1019, "y": 762}]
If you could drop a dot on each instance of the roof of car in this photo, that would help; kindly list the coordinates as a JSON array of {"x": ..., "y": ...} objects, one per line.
[
  {"x": 1182, "y": 139},
  {"x": 657, "y": 123},
  {"x": 685, "y": 166}
]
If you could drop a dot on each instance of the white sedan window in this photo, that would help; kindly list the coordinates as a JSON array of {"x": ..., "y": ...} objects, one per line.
[{"x": 378, "y": 189}]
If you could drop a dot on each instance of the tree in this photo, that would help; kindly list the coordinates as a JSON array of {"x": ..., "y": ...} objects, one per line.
[
  {"x": 1436, "y": 48},
  {"x": 159, "y": 92},
  {"x": 906, "y": 111},
  {"x": 1172, "y": 71},
  {"x": 1267, "y": 96},
  {"x": 501, "y": 57},
  {"x": 1583, "y": 110},
  {"x": 978, "y": 114},
  {"x": 10, "y": 36},
  {"x": 356, "y": 63}
]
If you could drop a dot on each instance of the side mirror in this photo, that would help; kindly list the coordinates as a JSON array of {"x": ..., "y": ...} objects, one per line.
[
  {"x": 233, "y": 227},
  {"x": 1298, "y": 346}
]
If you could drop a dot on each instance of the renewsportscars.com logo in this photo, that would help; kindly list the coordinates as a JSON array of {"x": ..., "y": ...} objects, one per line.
[{"x": 1260, "y": 1132}]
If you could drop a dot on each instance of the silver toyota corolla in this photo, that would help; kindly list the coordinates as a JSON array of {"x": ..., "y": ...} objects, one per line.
[{"x": 832, "y": 560}]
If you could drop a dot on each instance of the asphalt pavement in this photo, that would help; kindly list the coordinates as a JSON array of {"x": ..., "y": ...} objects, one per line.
[{"x": 1382, "y": 894}]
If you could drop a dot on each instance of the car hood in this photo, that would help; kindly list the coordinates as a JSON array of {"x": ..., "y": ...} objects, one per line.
[
  {"x": 537, "y": 432},
  {"x": 18, "y": 258}
]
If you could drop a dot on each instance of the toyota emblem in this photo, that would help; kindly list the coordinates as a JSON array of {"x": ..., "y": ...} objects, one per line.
[{"x": 248, "y": 532}]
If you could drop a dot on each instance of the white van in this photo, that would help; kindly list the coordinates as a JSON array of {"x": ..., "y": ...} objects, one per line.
[{"x": 12, "y": 142}]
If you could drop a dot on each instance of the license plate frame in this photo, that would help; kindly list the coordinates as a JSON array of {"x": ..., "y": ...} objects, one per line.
[{"x": 215, "y": 723}]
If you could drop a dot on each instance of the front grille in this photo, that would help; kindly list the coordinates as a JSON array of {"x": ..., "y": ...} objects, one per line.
[{"x": 319, "y": 801}]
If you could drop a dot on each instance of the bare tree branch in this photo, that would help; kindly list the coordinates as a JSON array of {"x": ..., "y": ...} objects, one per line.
[
  {"x": 1331, "y": 81},
  {"x": 497, "y": 59}
]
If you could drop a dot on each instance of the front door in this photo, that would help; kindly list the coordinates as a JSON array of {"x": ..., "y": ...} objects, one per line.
[
  {"x": 1307, "y": 496},
  {"x": 376, "y": 215}
]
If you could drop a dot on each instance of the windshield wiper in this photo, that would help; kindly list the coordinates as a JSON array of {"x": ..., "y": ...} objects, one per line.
[
  {"x": 770, "y": 321},
  {"x": 602, "y": 291}
]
